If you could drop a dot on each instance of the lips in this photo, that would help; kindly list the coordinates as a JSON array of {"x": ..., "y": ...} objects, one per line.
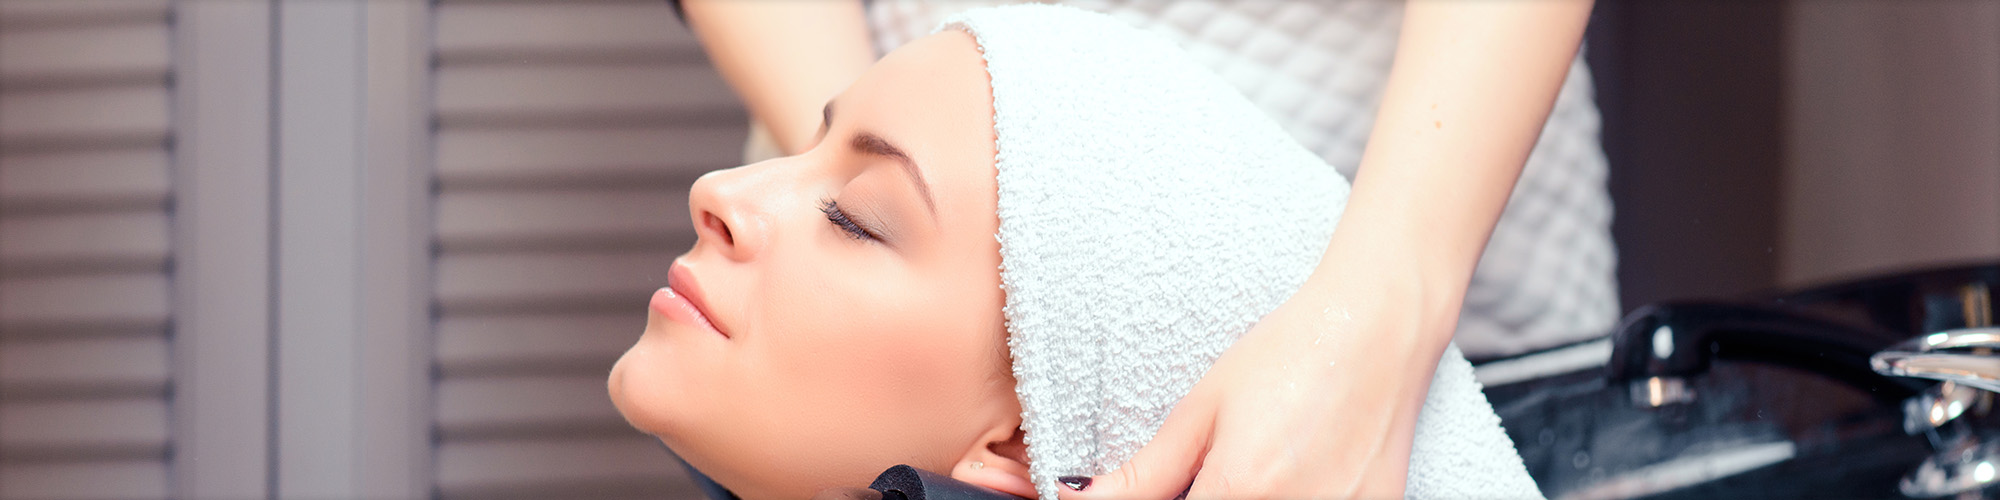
[{"x": 682, "y": 301}]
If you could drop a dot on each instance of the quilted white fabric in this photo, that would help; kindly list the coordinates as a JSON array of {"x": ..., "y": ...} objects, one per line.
[{"x": 1317, "y": 67}]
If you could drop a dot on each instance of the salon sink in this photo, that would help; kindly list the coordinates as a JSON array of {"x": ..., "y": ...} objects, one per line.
[
  {"x": 1754, "y": 432},
  {"x": 1771, "y": 396}
]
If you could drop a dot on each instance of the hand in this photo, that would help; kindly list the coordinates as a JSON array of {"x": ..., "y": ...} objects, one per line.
[{"x": 1319, "y": 400}]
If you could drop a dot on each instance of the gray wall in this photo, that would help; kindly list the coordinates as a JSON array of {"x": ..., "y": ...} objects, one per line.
[
  {"x": 1691, "y": 94},
  {"x": 1893, "y": 137},
  {"x": 1782, "y": 143}
]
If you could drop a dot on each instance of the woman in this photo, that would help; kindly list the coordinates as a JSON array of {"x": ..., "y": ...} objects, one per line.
[
  {"x": 1468, "y": 91},
  {"x": 1318, "y": 67},
  {"x": 845, "y": 308}
]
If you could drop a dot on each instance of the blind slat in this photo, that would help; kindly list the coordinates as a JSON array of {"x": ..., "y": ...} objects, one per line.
[
  {"x": 88, "y": 480},
  {"x": 582, "y": 90},
  {"x": 129, "y": 235},
  {"x": 541, "y": 402},
  {"x": 84, "y": 362},
  {"x": 136, "y": 422},
  {"x": 572, "y": 153},
  {"x": 477, "y": 464},
  {"x": 470, "y": 343},
  {"x": 118, "y": 298},
  {"x": 538, "y": 27},
  {"x": 473, "y": 279},
  {"x": 560, "y": 214},
  {"x": 118, "y": 111},
  {"x": 108, "y": 49},
  {"x": 32, "y": 10},
  {"x": 84, "y": 175}
]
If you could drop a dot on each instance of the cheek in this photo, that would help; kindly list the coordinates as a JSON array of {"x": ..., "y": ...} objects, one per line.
[
  {"x": 859, "y": 368},
  {"x": 885, "y": 335}
]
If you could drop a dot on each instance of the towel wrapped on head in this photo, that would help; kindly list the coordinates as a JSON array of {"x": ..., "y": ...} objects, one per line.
[{"x": 1150, "y": 215}]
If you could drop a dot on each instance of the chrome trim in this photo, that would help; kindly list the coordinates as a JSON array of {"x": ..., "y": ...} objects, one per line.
[{"x": 1922, "y": 357}]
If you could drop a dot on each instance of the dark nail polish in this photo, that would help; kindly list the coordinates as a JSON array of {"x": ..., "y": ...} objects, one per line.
[{"x": 1075, "y": 483}]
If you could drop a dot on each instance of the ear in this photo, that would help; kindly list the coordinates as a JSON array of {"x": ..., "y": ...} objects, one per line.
[{"x": 999, "y": 460}]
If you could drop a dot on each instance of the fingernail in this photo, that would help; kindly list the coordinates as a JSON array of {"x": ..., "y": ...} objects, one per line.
[{"x": 1075, "y": 483}]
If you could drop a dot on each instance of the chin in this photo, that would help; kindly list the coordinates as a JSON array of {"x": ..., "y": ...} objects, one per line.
[
  {"x": 615, "y": 387},
  {"x": 639, "y": 396}
]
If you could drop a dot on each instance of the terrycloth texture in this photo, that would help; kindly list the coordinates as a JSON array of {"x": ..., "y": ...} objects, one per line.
[
  {"x": 1149, "y": 215},
  {"x": 1318, "y": 68}
]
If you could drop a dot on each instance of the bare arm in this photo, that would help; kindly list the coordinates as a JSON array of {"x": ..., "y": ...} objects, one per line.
[
  {"x": 784, "y": 58},
  {"x": 1472, "y": 84},
  {"x": 1470, "y": 89}
]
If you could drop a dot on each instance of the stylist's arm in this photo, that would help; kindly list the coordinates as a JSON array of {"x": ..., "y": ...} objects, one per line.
[
  {"x": 785, "y": 59},
  {"x": 1320, "y": 399}
]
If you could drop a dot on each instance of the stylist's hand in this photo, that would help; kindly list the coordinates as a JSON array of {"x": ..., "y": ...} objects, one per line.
[{"x": 1319, "y": 400}]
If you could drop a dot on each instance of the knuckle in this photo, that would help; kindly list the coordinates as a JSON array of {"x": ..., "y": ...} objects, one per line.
[
  {"x": 1234, "y": 483},
  {"x": 1224, "y": 485},
  {"x": 1132, "y": 476}
]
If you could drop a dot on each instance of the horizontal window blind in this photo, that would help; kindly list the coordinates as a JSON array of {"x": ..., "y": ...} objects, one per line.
[
  {"x": 85, "y": 267},
  {"x": 567, "y": 134}
]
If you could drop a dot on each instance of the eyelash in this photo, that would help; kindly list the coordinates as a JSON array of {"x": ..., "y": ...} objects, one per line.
[{"x": 840, "y": 219}]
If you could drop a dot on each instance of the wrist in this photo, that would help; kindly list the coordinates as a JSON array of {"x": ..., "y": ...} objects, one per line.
[{"x": 1398, "y": 294}]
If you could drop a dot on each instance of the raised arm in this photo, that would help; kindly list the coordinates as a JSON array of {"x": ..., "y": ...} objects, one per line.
[
  {"x": 1320, "y": 399},
  {"x": 784, "y": 58}
]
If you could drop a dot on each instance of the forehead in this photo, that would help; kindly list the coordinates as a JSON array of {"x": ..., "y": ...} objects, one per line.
[{"x": 931, "y": 98}]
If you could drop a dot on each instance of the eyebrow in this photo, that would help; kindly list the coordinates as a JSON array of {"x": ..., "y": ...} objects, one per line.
[{"x": 870, "y": 143}]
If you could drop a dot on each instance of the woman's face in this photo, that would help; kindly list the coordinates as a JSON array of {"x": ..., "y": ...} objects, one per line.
[{"x": 853, "y": 292}]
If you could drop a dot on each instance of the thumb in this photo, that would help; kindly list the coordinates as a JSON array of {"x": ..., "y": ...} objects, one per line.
[{"x": 1161, "y": 470}]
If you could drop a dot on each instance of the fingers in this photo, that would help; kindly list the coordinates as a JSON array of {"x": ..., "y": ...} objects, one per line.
[{"x": 1160, "y": 471}]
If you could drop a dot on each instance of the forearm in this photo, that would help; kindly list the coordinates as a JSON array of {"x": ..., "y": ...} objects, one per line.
[
  {"x": 785, "y": 59},
  {"x": 1470, "y": 89}
]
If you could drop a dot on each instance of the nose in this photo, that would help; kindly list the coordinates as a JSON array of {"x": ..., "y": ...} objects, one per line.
[{"x": 728, "y": 212}]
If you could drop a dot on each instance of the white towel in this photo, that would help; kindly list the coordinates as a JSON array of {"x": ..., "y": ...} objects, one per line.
[{"x": 1149, "y": 215}]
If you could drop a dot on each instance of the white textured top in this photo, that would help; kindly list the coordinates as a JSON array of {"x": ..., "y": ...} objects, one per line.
[
  {"x": 1149, "y": 216},
  {"x": 1318, "y": 68}
]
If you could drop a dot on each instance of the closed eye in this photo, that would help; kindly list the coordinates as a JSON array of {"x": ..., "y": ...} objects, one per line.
[{"x": 840, "y": 219}]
